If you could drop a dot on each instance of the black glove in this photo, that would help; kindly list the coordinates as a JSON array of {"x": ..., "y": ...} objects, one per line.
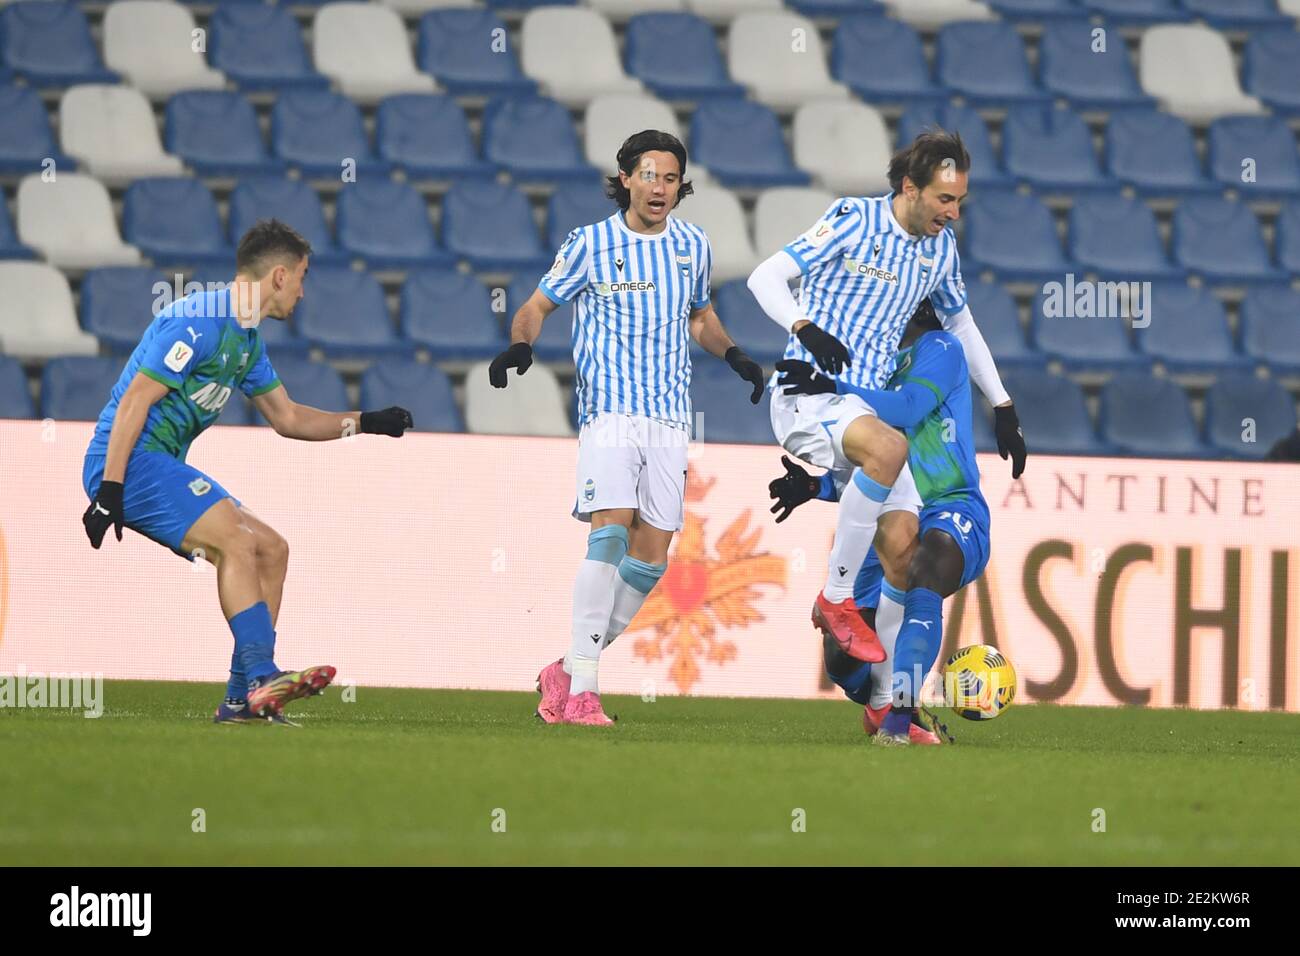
[
  {"x": 748, "y": 369},
  {"x": 1286, "y": 449},
  {"x": 105, "y": 510},
  {"x": 519, "y": 355},
  {"x": 1011, "y": 440},
  {"x": 800, "y": 378},
  {"x": 391, "y": 421},
  {"x": 829, "y": 351},
  {"x": 792, "y": 489}
]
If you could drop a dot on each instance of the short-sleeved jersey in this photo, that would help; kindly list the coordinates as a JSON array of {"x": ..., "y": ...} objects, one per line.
[
  {"x": 199, "y": 351},
  {"x": 864, "y": 276},
  {"x": 633, "y": 295}
]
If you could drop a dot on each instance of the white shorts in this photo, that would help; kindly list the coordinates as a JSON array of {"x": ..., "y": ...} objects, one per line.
[{"x": 630, "y": 461}]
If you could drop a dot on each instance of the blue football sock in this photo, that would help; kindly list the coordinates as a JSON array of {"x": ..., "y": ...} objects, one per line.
[
  {"x": 237, "y": 686},
  {"x": 254, "y": 641},
  {"x": 917, "y": 646}
]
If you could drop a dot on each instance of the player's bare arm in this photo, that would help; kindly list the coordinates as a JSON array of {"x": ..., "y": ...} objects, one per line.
[
  {"x": 292, "y": 420},
  {"x": 524, "y": 330}
]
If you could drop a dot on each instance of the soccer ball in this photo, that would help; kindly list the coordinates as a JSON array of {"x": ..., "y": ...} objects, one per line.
[{"x": 979, "y": 683}]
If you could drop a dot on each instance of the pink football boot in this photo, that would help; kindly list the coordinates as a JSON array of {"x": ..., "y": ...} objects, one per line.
[
  {"x": 585, "y": 708},
  {"x": 553, "y": 685}
]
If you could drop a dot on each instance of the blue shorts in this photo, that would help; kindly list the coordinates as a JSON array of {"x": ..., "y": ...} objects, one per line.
[
  {"x": 162, "y": 496},
  {"x": 968, "y": 524}
]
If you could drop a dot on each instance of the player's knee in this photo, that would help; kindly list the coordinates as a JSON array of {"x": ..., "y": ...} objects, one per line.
[
  {"x": 895, "y": 545},
  {"x": 876, "y": 448},
  {"x": 273, "y": 550},
  {"x": 238, "y": 544}
]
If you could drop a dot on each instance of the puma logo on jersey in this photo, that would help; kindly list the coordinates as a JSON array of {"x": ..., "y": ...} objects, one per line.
[
  {"x": 194, "y": 336},
  {"x": 924, "y": 624},
  {"x": 212, "y": 397}
]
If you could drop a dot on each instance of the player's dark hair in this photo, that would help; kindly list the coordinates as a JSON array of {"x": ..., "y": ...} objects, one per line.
[
  {"x": 926, "y": 317},
  {"x": 931, "y": 151},
  {"x": 267, "y": 244},
  {"x": 629, "y": 154}
]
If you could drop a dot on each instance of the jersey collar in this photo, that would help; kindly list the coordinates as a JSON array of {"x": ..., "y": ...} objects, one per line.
[{"x": 644, "y": 237}]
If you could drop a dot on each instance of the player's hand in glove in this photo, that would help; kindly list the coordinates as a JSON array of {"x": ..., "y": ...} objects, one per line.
[
  {"x": 519, "y": 355},
  {"x": 800, "y": 378},
  {"x": 792, "y": 489},
  {"x": 829, "y": 351},
  {"x": 1011, "y": 440},
  {"x": 391, "y": 421},
  {"x": 105, "y": 510},
  {"x": 748, "y": 369}
]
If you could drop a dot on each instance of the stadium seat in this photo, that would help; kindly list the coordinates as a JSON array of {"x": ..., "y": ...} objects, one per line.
[
  {"x": 1270, "y": 69},
  {"x": 577, "y": 204},
  {"x": 986, "y": 168},
  {"x": 1189, "y": 69},
  {"x": 845, "y": 145},
  {"x": 25, "y": 138},
  {"x": 620, "y": 11},
  {"x": 932, "y": 14},
  {"x": 1049, "y": 11},
  {"x": 1070, "y": 65},
  {"x": 70, "y": 222},
  {"x": 1141, "y": 415},
  {"x": 151, "y": 43},
  {"x": 491, "y": 225},
  {"x": 151, "y": 221},
  {"x": 111, "y": 130},
  {"x": 1134, "y": 12},
  {"x": 724, "y": 11},
  {"x": 1245, "y": 416},
  {"x": 1286, "y": 235},
  {"x": 532, "y": 405},
  {"x": 882, "y": 60},
  {"x": 216, "y": 132},
  {"x": 609, "y": 120},
  {"x": 722, "y": 411},
  {"x": 1269, "y": 145},
  {"x": 119, "y": 302},
  {"x": 998, "y": 319},
  {"x": 76, "y": 388},
  {"x": 239, "y": 411},
  {"x": 781, "y": 214},
  {"x": 982, "y": 426},
  {"x": 1155, "y": 153},
  {"x": 364, "y": 49},
  {"x": 387, "y": 225},
  {"x": 49, "y": 44},
  {"x": 464, "y": 52},
  {"x": 748, "y": 325},
  {"x": 1188, "y": 331},
  {"x": 315, "y": 131},
  {"x": 343, "y": 313},
  {"x": 291, "y": 201},
  {"x": 311, "y": 383},
  {"x": 741, "y": 143},
  {"x": 1014, "y": 236},
  {"x": 415, "y": 7},
  {"x": 1051, "y": 149},
  {"x": 37, "y": 319},
  {"x": 424, "y": 390},
  {"x": 986, "y": 63},
  {"x": 535, "y": 139},
  {"x": 1270, "y": 327},
  {"x": 15, "y": 398},
  {"x": 428, "y": 136},
  {"x": 1118, "y": 237},
  {"x": 1052, "y": 413},
  {"x": 572, "y": 53},
  {"x": 260, "y": 47},
  {"x": 718, "y": 212},
  {"x": 1083, "y": 343},
  {"x": 450, "y": 313},
  {"x": 10, "y": 247},
  {"x": 1222, "y": 241},
  {"x": 779, "y": 71},
  {"x": 1238, "y": 14},
  {"x": 676, "y": 55},
  {"x": 555, "y": 344},
  {"x": 859, "y": 9}
]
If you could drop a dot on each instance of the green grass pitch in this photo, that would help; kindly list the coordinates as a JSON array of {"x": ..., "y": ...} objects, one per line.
[{"x": 430, "y": 777}]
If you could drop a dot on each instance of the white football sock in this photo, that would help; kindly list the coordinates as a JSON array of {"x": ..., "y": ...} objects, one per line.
[
  {"x": 593, "y": 602},
  {"x": 635, "y": 580},
  {"x": 889, "y": 621},
  {"x": 860, "y": 506}
]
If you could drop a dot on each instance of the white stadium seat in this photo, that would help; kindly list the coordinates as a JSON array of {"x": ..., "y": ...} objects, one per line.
[
  {"x": 152, "y": 44},
  {"x": 780, "y": 58},
  {"x": 846, "y": 145},
  {"x": 111, "y": 130},
  {"x": 612, "y": 119},
  {"x": 573, "y": 54},
  {"x": 1290, "y": 7},
  {"x": 37, "y": 318},
  {"x": 1190, "y": 70},
  {"x": 620, "y": 11},
  {"x": 364, "y": 48},
  {"x": 723, "y": 11},
  {"x": 70, "y": 222},
  {"x": 717, "y": 211},
  {"x": 533, "y": 404},
  {"x": 781, "y": 214},
  {"x": 932, "y": 14}
]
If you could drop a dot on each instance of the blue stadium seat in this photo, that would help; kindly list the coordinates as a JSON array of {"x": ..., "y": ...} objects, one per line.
[
  {"x": 534, "y": 138},
  {"x": 882, "y": 60},
  {"x": 239, "y": 411},
  {"x": 1240, "y": 407},
  {"x": 1082, "y": 343},
  {"x": 1155, "y": 153},
  {"x": 1222, "y": 241},
  {"x": 526, "y": 4},
  {"x": 998, "y": 319},
  {"x": 1238, "y": 14},
  {"x": 450, "y": 312},
  {"x": 1129, "y": 12},
  {"x": 15, "y": 399},
  {"x": 291, "y": 201},
  {"x": 260, "y": 47},
  {"x": 25, "y": 137},
  {"x": 316, "y": 130},
  {"x": 1050, "y": 11},
  {"x": 311, "y": 383},
  {"x": 1270, "y": 327},
  {"x": 49, "y": 44},
  {"x": 555, "y": 344},
  {"x": 1141, "y": 415},
  {"x": 1265, "y": 140},
  {"x": 1051, "y": 149},
  {"x": 863, "y": 9},
  {"x": 1188, "y": 331},
  {"x": 117, "y": 304},
  {"x": 986, "y": 63},
  {"x": 749, "y": 325},
  {"x": 577, "y": 204},
  {"x": 422, "y": 389},
  {"x": 457, "y": 47},
  {"x": 174, "y": 221},
  {"x": 77, "y": 387},
  {"x": 1014, "y": 236},
  {"x": 387, "y": 224},
  {"x": 491, "y": 225},
  {"x": 1270, "y": 69},
  {"x": 1117, "y": 236},
  {"x": 343, "y": 312},
  {"x": 1053, "y": 415},
  {"x": 676, "y": 55},
  {"x": 986, "y": 168},
  {"x": 1286, "y": 237},
  {"x": 741, "y": 144},
  {"x": 1069, "y": 66},
  {"x": 428, "y": 137},
  {"x": 722, "y": 410},
  {"x": 982, "y": 425},
  {"x": 10, "y": 247},
  {"x": 216, "y": 132},
  {"x": 278, "y": 334}
]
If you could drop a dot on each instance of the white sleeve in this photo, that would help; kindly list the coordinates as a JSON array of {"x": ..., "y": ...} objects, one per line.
[
  {"x": 979, "y": 359},
  {"x": 770, "y": 283}
]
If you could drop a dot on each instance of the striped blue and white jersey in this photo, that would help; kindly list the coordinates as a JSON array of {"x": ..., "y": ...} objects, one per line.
[
  {"x": 863, "y": 277},
  {"x": 632, "y": 295}
]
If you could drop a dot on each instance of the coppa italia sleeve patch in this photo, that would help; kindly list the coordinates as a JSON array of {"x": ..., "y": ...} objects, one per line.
[
  {"x": 819, "y": 234},
  {"x": 179, "y": 355}
]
